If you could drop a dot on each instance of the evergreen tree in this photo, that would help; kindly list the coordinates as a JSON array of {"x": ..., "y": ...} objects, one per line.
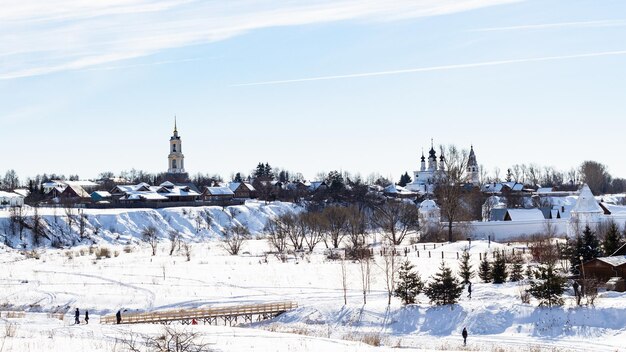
[
  {"x": 516, "y": 268},
  {"x": 611, "y": 239},
  {"x": 484, "y": 270},
  {"x": 498, "y": 269},
  {"x": 409, "y": 283},
  {"x": 443, "y": 288},
  {"x": 509, "y": 175},
  {"x": 465, "y": 268},
  {"x": 549, "y": 289},
  {"x": 586, "y": 246},
  {"x": 269, "y": 174},
  {"x": 238, "y": 177},
  {"x": 259, "y": 171},
  {"x": 404, "y": 179}
]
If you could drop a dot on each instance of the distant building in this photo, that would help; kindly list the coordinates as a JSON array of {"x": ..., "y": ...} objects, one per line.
[
  {"x": 176, "y": 159},
  {"x": 424, "y": 180},
  {"x": 10, "y": 199},
  {"x": 217, "y": 194},
  {"x": 242, "y": 190}
]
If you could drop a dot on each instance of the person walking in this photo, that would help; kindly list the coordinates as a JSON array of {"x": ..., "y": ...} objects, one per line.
[
  {"x": 469, "y": 290},
  {"x": 464, "y": 333},
  {"x": 77, "y": 317},
  {"x": 118, "y": 316},
  {"x": 86, "y": 317}
]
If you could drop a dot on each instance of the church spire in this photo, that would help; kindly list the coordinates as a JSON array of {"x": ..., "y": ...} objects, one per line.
[{"x": 175, "y": 129}]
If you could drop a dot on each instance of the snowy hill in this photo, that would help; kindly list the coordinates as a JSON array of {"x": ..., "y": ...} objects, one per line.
[{"x": 63, "y": 227}]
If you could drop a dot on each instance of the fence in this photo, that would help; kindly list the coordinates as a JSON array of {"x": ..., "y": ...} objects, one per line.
[
  {"x": 429, "y": 251},
  {"x": 229, "y": 314}
]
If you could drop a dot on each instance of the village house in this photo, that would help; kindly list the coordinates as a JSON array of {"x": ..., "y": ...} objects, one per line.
[
  {"x": 11, "y": 199},
  {"x": 216, "y": 194},
  {"x": 242, "y": 190}
]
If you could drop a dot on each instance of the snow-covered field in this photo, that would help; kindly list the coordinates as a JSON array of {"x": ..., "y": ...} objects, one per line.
[
  {"x": 40, "y": 289},
  {"x": 61, "y": 280}
]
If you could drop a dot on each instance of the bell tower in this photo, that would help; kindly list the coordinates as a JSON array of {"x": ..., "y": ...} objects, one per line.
[{"x": 176, "y": 159}]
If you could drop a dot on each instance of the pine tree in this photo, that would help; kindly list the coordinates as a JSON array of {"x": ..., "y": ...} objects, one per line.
[
  {"x": 409, "y": 283},
  {"x": 443, "y": 288},
  {"x": 586, "y": 246},
  {"x": 404, "y": 179},
  {"x": 549, "y": 289},
  {"x": 611, "y": 239},
  {"x": 498, "y": 269},
  {"x": 591, "y": 245},
  {"x": 575, "y": 248},
  {"x": 517, "y": 269},
  {"x": 465, "y": 268},
  {"x": 484, "y": 270},
  {"x": 238, "y": 177}
]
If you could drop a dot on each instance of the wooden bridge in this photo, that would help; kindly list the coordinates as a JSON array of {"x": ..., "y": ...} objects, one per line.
[{"x": 229, "y": 315}]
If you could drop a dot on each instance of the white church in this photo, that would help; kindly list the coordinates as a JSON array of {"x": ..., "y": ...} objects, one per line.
[{"x": 425, "y": 178}]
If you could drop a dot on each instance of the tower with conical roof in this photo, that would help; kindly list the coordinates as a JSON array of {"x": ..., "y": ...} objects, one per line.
[
  {"x": 432, "y": 158},
  {"x": 472, "y": 168},
  {"x": 176, "y": 159}
]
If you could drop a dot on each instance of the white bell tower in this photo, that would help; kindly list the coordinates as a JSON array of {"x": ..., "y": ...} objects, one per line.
[{"x": 176, "y": 159}]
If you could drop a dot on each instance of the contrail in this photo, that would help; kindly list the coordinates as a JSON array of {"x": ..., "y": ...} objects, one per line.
[
  {"x": 435, "y": 68},
  {"x": 601, "y": 23}
]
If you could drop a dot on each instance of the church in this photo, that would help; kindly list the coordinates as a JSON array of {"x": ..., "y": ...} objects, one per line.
[
  {"x": 176, "y": 159},
  {"x": 425, "y": 178}
]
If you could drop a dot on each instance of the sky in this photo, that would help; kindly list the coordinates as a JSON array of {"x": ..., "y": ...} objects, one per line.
[{"x": 310, "y": 86}]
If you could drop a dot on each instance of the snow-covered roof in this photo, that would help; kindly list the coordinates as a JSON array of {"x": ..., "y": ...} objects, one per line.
[
  {"x": 4, "y": 194},
  {"x": 492, "y": 187},
  {"x": 81, "y": 183},
  {"x": 391, "y": 189},
  {"x": 103, "y": 194},
  {"x": 525, "y": 214},
  {"x": 22, "y": 192},
  {"x": 545, "y": 190},
  {"x": 145, "y": 196},
  {"x": 614, "y": 261},
  {"x": 586, "y": 202},
  {"x": 80, "y": 191},
  {"x": 219, "y": 191},
  {"x": 428, "y": 204},
  {"x": 167, "y": 184}
]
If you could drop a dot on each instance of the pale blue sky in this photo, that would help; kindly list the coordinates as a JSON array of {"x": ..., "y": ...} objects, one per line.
[{"x": 314, "y": 86}]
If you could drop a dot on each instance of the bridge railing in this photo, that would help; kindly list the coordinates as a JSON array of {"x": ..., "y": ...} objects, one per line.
[{"x": 201, "y": 313}]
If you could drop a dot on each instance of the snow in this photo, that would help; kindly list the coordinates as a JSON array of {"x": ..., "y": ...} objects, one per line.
[
  {"x": 586, "y": 202},
  {"x": 614, "y": 261},
  {"x": 133, "y": 279},
  {"x": 525, "y": 214},
  {"x": 224, "y": 191}
]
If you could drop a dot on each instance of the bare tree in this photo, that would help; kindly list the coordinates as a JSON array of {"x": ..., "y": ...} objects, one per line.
[
  {"x": 356, "y": 226},
  {"x": 396, "y": 219},
  {"x": 296, "y": 231},
  {"x": 389, "y": 269},
  {"x": 187, "y": 250},
  {"x": 344, "y": 280},
  {"x": 364, "y": 265},
  {"x": 449, "y": 185},
  {"x": 16, "y": 221},
  {"x": 149, "y": 235},
  {"x": 596, "y": 176},
  {"x": 315, "y": 229},
  {"x": 277, "y": 236},
  {"x": 336, "y": 219},
  {"x": 234, "y": 237},
  {"x": 174, "y": 240}
]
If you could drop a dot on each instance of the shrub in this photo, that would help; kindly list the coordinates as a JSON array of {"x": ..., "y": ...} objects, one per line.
[{"x": 103, "y": 252}]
